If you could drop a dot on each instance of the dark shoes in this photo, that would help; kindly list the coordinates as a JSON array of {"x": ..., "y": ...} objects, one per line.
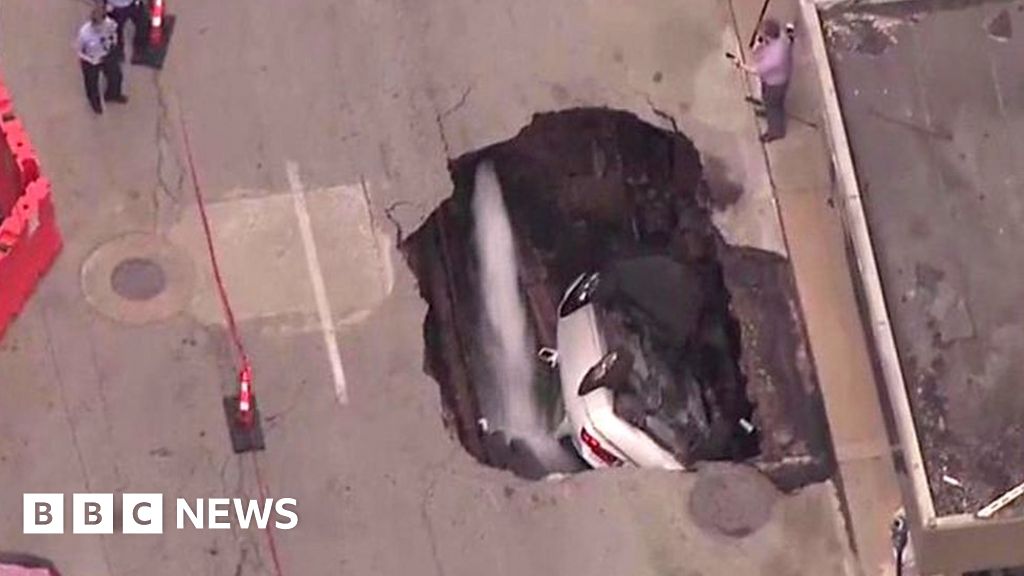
[{"x": 119, "y": 99}]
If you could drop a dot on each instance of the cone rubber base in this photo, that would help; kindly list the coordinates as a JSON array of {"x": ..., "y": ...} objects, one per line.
[
  {"x": 243, "y": 438},
  {"x": 155, "y": 55}
]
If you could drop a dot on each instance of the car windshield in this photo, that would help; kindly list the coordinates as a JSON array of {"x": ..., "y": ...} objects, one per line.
[{"x": 656, "y": 291}]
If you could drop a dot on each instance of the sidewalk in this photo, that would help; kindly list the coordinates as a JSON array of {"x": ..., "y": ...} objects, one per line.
[{"x": 801, "y": 177}]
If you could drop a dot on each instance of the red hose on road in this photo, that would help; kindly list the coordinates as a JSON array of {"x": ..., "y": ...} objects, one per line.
[{"x": 232, "y": 326}]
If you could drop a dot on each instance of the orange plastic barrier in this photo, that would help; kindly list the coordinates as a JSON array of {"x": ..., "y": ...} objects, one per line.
[{"x": 29, "y": 237}]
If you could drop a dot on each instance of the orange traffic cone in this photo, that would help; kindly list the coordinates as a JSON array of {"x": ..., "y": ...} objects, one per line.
[
  {"x": 156, "y": 23},
  {"x": 245, "y": 398},
  {"x": 243, "y": 415},
  {"x": 161, "y": 25}
]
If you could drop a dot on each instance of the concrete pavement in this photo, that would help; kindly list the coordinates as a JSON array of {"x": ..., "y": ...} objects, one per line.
[
  {"x": 801, "y": 174},
  {"x": 381, "y": 93}
]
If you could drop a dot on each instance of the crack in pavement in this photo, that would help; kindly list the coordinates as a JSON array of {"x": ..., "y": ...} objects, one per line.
[
  {"x": 243, "y": 542},
  {"x": 462, "y": 102},
  {"x": 246, "y": 541},
  {"x": 48, "y": 333},
  {"x": 444, "y": 138},
  {"x": 162, "y": 143},
  {"x": 63, "y": 401},
  {"x": 293, "y": 402},
  {"x": 104, "y": 405},
  {"x": 389, "y": 213},
  {"x": 434, "y": 473},
  {"x": 374, "y": 228},
  {"x": 662, "y": 114},
  {"x": 431, "y": 537},
  {"x": 440, "y": 117},
  {"x": 383, "y": 259}
]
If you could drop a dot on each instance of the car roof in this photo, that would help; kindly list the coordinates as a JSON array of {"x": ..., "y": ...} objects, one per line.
[{"x": 664, "y": 290}]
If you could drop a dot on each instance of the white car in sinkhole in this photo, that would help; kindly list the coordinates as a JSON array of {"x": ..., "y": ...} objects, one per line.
[{"x": 624, "y": 342}]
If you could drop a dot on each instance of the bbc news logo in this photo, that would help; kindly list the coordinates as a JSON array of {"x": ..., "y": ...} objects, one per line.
[{"x": 144, "y": 513}]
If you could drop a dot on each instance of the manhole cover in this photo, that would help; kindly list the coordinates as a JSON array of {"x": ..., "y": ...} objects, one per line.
[
  {"x": 138, "y": 279},
  {"x": 731, "y": 499}
]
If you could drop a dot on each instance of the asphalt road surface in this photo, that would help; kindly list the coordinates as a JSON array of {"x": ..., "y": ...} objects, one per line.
[{"x": 324, "y": 128}]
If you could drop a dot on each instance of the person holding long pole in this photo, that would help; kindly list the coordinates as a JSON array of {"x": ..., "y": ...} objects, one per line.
[{"x": 773, "y": 65}]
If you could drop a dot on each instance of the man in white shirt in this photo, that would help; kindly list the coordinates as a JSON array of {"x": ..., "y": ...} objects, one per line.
[
  {"x": 122, "y": 11},
  {"x": 95, "y": 45}
]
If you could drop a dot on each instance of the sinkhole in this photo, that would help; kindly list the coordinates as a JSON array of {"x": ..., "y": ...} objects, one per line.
[{"x": 653, "y": 368}]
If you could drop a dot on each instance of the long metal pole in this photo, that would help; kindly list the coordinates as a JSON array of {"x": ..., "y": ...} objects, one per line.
[{"x": 760, "y": 17}]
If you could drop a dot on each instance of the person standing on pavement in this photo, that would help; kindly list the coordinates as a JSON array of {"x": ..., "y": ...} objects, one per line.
[
  {"x": 773, "y": 65},
  {"x": 122, "y": 11},
  {"x": 97, "y": 40}
]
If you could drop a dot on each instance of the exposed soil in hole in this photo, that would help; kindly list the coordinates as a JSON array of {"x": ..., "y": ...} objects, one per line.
[{"x": 588, "y": 188}]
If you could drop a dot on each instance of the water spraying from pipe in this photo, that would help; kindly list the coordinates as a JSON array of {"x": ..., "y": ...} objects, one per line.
[{"x": 507, "y": 335}]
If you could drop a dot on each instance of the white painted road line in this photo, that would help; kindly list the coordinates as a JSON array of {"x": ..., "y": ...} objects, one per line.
[{"x": 317, "y": 277}]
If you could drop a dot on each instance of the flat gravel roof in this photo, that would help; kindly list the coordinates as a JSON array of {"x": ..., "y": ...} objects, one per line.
[{"x": 932, "y": 96}]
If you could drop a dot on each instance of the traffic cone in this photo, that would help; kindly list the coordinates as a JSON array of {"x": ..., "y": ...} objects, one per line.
[
  {"x": 245, "y": 399},
  {"x": 161, "y": 25},
  {"x": 243, "y": 416},
  {"x": 156, "y": 23}
]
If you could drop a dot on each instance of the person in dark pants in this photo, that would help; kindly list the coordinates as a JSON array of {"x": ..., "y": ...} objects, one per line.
[
  {"x": 96, "y": 42},
  {"x": 773, "y": 65},
  {"x": 123, "y": 11}
]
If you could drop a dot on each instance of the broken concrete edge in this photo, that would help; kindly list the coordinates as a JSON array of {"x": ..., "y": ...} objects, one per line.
[
  {"x": 856, "y": 229},
  {"x": 650, "y": 108}
]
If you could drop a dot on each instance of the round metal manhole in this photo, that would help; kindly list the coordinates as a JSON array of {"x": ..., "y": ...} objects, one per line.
[
  {"x": 138, "y": 279},
  {"x": 732, "y": 499}
]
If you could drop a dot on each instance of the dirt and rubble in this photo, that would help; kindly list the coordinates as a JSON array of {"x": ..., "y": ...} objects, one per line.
[{"x": 587, "y": 187}]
